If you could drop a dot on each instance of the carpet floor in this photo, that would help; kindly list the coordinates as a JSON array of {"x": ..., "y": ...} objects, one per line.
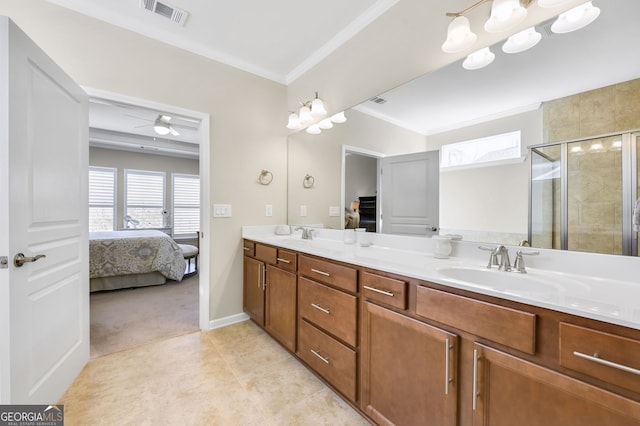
[{"x": 122, "y": 319}]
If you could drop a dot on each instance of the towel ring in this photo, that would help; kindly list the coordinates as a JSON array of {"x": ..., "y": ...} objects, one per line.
[
  {"x": 265, "y": 177},
  {"x": 308, "y": 181}
]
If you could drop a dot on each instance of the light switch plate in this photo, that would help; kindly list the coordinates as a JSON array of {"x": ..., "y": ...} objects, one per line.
[
  {"x": 268, "y": 210},
  {"x": 334, "y": 211},
  {"x": 303, "y": 211},
  {"x": 222, "y": 210}
]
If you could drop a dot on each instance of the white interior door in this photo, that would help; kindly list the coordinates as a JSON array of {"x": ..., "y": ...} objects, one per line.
[
  {"x": 44, "y": 305},
  {"x": 410, "y": 191}
]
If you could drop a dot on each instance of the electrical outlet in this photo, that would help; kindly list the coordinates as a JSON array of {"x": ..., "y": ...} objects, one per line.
[
  {"x": 303, "y": 211},
  {"x": 268, "y": 210}
]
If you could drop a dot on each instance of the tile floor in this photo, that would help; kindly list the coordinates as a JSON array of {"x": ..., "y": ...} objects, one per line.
[{"x": 236, "y": 375}]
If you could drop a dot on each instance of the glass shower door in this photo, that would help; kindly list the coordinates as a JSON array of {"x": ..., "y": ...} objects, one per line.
[{"x": 545, "y": 214}]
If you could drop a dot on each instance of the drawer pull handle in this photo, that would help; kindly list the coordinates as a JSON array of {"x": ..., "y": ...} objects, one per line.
[
  {"x": 326, "y": 360},
  {"x": 596, "y": 358},
  {"x": 279, "y": 259},
  {"x": 326, "y": 274},
  {"x": 246, "y": 248},
  {"x": 386, "y": 293},
  {"x": 475, "y": 379},
  {"x": 320, "y": 308}
]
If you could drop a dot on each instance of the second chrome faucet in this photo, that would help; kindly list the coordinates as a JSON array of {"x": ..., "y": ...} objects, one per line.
[{"x": 504, "y": 263}]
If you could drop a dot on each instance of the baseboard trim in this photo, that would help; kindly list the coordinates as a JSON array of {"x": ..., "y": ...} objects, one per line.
[{"x": 223, "y": 322}]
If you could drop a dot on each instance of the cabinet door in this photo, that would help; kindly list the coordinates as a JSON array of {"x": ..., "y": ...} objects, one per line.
[
  {"x": 253, "y": 294},
  {"x": 408, "y": 370},
  {"x": 510, "y": 391},
  {"x": 280, "y": 314}
]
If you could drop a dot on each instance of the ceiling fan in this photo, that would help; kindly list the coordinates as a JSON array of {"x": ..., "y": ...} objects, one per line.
[{"x": 162, "y": 126}]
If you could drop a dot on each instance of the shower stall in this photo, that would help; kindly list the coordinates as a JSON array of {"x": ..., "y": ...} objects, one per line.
[{"x": 583, "y": 193}]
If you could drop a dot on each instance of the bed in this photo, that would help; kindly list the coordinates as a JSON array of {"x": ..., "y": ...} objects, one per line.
[{"x": 133, "y": 258}]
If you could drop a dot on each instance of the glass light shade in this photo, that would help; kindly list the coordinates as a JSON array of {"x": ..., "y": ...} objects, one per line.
[
  {"x": 305, "y": 115},
  {"x": 317, "y": 108},
  {"x": 616, "y": 145},
  {"x": 294, "y": 122},
  {"x": 339, "y": 117},
  {"x": 325, "y": 124},
  {"x": 522, "y": 41},
  {"x": 314, "y": 129},
  {"x": 575, "y": 18},
  {"x": 505, "y": 14},
  {"x": 479, "y": 59},
  {"x": 548, "y": 4},
  {"x": 459, "y": 36},
  {"x": 161, "y": 127},
  {"x": 596, "y": 147}
]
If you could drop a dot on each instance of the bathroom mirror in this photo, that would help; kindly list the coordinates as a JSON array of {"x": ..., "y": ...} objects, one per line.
[{"x": 490, "y": 204}]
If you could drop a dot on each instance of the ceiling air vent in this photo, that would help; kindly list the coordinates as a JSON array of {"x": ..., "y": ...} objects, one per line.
[
  {"x": 378, "y": 100},
  {"x": 176, "y": 15}
]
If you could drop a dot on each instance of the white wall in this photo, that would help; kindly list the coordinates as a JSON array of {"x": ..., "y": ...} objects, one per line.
[
  {"x": 246, "y": 137},
  {"x": 488, "y": 203}
]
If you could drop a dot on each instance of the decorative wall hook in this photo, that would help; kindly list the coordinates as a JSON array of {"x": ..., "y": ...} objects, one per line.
[{"x": 265, "y": 177}]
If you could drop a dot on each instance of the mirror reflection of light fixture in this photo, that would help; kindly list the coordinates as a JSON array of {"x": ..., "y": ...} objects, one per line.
[
  {"x": 596, "y": 147},
  {"x": 575, "y": 18},
  {"x": 576, "y": 149},
  {"x": 312, "y": 116},
  {"x": 506, "y": 15},
  {"x": 522, "y": 41},
  {"x": 479, "y": 59},
  {"x": 616, "y": 145}
]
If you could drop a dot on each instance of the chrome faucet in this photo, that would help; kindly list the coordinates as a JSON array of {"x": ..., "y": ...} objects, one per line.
[
  {"x": 307, "y": 233},
  {"x": 505, "y": 263}
]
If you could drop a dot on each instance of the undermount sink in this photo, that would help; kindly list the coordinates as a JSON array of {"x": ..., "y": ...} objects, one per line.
[{"x": 506, "y": 282}]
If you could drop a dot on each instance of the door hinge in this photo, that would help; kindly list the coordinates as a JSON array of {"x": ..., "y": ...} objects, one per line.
[{"x": 4, "y": 262}]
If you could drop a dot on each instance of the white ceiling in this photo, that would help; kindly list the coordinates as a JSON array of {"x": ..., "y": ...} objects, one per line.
[
  {"x": 601, "y": 54},
  {"x": 275, "y": 39}
]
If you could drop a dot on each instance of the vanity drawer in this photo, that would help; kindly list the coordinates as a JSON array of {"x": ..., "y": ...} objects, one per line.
[
  {"x": 383, "y": 289},
  {"x": 267, "y": 254},
  {"x": 330, "y": 358},
  {"x": 605, "y": 356},
  {"x": 329, "y": 309},
  {"x": 509, "y": 327},
  {"x": 287, "y": 260},
  {"x": 249, "y": 248},
  {"x": 330, "y": 273}
]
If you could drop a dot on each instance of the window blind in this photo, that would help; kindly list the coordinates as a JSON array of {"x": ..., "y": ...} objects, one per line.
[
  {"x": 102, "y": 198},
  {"x": 145, "y": 197},
  {"x": 186, "y": 204}
]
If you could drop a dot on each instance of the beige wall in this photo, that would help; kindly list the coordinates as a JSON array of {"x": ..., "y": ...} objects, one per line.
[
  {"x": 247, "y": 119},
  {"x": 122, "y": 160},
  {"x": 321, "y": 156}
]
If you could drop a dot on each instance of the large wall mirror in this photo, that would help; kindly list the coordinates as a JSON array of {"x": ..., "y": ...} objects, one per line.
[{"x": 547, "y": 93}]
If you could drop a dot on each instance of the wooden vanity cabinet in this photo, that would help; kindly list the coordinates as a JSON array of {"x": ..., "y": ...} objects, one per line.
[
  {"x": 328, "y": 322},
  {"x": 270, "y": 290},
  {"x": 409, "y": 370}
]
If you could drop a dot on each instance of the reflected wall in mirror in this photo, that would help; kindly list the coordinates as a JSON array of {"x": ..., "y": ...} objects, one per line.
[{"x": 450, "y": 105}]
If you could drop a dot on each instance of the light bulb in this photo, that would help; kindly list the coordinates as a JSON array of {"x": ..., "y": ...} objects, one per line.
[
  {"x": 305, "y": 114},
  {"x": 317, "y": 108},
  {"x": 294, "y": 122},
  {"x": 459, "y": 36},
  {"x": 505, "y": 14}
]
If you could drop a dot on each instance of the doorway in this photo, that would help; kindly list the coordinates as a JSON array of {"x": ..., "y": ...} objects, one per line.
[{"x": 201, "y": 151}]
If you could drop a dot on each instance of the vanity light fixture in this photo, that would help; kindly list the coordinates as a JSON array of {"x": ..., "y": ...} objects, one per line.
[
  {"x": 479, "y": 59},
  {"x": 575, "y": 18},
  {"x": 616, "y": 145},
  {"x": 311, "y": 115},
  {"x": 596, "y": 147},
  {"x": 506, "y": 15}
]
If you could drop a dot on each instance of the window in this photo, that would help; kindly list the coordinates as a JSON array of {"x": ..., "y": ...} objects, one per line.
[
  {"x": 186, "y": 204},
  {"x": 489, "y": 151},
  {"x": 144, "y": 198},
  {"x": 102, "y": 198}
]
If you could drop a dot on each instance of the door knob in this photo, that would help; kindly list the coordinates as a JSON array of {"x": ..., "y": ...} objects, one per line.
[{"x": 20, "y": 259}]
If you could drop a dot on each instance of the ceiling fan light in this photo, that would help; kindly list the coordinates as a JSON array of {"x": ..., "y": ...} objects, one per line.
[
  {"x": 317, "y": 108},
  {"x": 576, "y": 18},
  {"x": 459, "y": 36},
  {"x": 325, "y": 124},
  {"x": 339, "y": 117},
  {"x": 479, "y": 59},
  {"x": 304, "y": 115},
  {"x": 314, "y": 129},
  {"x": 548, "y": 4},
  {"x": 161, "y": 126},
  {"x": 522, "y": 41},
  {"x": 505, "y": 15},
  {"x": 294, "y": 122}
]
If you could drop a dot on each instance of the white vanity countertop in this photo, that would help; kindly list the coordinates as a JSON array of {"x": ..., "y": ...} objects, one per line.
[{"x": 599, "y": 287}]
